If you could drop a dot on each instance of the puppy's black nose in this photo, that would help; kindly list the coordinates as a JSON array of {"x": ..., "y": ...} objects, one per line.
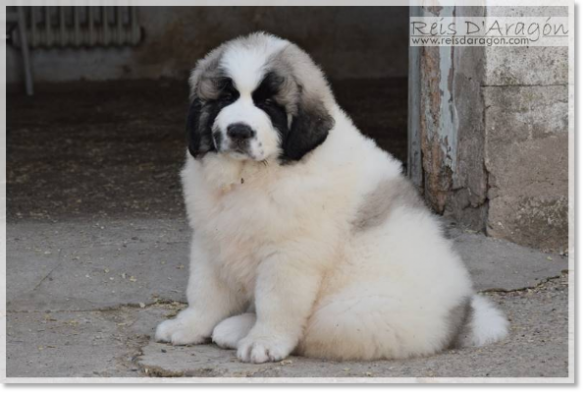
[{"x": 240, "y": 131}]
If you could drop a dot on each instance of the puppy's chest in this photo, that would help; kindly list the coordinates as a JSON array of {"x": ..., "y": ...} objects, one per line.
[
  {"x": 242, "y": 230},
  {"x": 244, "y": 212}
]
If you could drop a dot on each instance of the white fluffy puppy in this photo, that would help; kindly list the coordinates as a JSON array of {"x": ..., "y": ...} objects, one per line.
[{"x": 306, "y": 236}]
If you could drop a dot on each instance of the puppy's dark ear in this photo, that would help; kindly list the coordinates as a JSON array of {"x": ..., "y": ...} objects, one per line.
[
  {"x": 199, "y": 139},
  {"x": 309, "y": 129},
  {"x": 201, "y": 113}
]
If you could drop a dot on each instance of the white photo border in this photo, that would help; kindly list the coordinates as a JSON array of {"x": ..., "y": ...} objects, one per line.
[{"x": 369, "y": 380}]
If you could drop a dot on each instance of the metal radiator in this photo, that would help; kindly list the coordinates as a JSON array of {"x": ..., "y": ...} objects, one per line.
[{"x": 60, "y": 27}]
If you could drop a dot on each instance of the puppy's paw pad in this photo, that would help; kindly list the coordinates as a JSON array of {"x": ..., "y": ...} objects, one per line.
[
  {"x": 261, "y": 350},
  {"x": 178, "y": 332}
]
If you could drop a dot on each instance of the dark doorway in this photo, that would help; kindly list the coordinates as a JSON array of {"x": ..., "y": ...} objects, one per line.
[{"x": 103, "y": 137}]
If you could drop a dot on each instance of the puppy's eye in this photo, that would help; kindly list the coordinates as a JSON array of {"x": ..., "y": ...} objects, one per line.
[
  {"x": 227, "y": 94},
  {"x": 227, "y": 91},
  {"x": 268, "y": 100}
]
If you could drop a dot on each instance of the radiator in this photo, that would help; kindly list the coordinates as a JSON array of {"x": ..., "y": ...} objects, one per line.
[{"x": 60, "y": 27}]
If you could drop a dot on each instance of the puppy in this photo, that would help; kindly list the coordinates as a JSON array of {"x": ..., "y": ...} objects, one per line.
[{"x": 306, "y": 236}]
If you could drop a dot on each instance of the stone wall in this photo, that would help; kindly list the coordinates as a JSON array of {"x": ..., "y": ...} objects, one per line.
[{"x": 526, "y": 147}]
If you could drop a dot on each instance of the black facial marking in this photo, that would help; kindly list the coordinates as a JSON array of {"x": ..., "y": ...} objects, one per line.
[
  {"x": 263, "y": 98},
  {"x": 268, "y": 88},
  {"x": 202, "y": 115},
  {"x": 310, "y": 126},
  {"x": 227, "y": 92}
]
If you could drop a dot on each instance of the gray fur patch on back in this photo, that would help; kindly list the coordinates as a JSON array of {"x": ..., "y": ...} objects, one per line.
[
  {"x": 458, "y": 323},
  {"x": 379, "y": 204}
]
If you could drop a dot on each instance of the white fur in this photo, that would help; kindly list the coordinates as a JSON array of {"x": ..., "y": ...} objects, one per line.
[
  {"x": 488, "y": 324},
  {"x": 229, "y": 332},
  {"x": 281, "y": 238}
]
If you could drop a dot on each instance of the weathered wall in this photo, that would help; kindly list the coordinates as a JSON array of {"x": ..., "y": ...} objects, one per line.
[
  {"x": 451, "y": 131},
  {"x": 526, "y": 156},
  {"x": 349, "y": 42}
]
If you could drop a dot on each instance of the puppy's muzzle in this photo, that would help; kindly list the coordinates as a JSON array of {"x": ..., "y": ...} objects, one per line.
[
  {"x": 240, "y": 135},
  {"x": 240, "y": 132}
]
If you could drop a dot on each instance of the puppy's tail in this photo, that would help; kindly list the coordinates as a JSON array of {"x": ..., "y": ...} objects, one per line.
[{"x": 486, "y": 324}]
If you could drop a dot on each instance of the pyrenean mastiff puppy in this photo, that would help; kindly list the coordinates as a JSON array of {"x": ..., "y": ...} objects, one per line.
[{"x": 307, "y": 238}]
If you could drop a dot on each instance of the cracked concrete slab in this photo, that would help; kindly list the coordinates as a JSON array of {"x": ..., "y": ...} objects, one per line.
[
  {"x": 537, "y": 346},
  {"x": 116, "y": 342},
  {"x": 84, "y": 300}
]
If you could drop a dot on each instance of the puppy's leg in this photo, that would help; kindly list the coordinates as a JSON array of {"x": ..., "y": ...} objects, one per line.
[
  {"x": 286, "y": 289},
  {"x": 210, "y": 301},
  {"x": 228, "y": 333}
]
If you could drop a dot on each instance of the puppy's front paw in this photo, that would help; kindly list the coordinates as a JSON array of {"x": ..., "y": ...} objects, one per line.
[
  {"x": 179, "y": 331},
  {"x": 262, "y": 349}
]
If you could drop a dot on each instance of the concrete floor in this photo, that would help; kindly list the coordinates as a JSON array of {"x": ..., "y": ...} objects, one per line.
[
  {"x": 97, "y": 248},
  {"x": 84, "y": 298}
]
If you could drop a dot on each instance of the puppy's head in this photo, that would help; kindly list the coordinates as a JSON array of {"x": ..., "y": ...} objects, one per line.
[{"x": 258, "y": 98}]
